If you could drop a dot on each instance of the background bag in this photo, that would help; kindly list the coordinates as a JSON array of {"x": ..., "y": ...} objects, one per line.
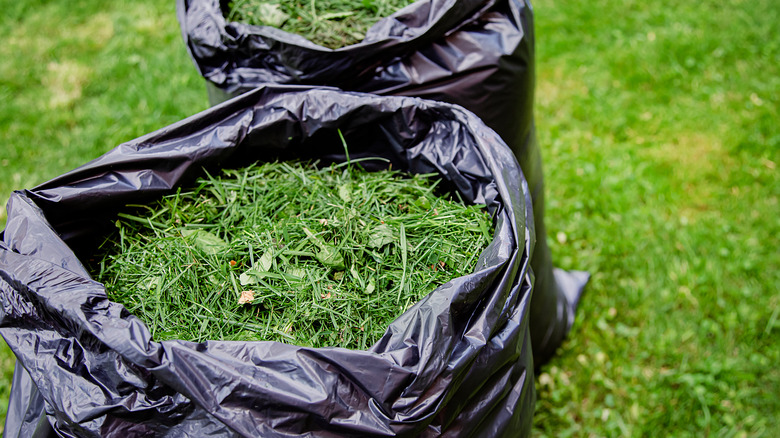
[
  {"x": 457, "y": 363},
  {"x": 475, "y": 53}
]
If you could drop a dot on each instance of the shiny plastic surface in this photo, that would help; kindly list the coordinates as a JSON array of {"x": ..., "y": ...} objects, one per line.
[
  {"x": 457, "y": 363},
  {"x": 475, "y": 53}
]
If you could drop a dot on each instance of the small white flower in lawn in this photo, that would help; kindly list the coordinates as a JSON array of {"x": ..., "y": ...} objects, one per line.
[{"x": 545, "y": 380}]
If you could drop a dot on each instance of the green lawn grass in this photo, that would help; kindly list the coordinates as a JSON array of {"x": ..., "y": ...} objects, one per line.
[{"x": 658, "y": 124}]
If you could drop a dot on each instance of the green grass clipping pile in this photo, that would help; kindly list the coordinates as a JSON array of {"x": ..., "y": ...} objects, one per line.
[
  {"x": 329, "y": 23},
  {"x": 290, "y": 252}
]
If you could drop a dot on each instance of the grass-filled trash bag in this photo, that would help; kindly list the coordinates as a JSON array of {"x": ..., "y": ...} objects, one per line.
[
  {"x": 456, "y": 363},
  {"x": 479, "y": 54}
]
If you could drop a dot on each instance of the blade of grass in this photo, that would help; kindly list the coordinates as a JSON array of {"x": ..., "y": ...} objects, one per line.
[{"x": 403, "y": 263}]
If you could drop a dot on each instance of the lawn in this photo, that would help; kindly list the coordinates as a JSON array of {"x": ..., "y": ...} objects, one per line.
[{"x": 658, "y": 122}]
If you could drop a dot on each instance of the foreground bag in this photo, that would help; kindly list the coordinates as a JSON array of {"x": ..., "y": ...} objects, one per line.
[
  {"x": 457, "y": 363},
  {"x": 475, "y": 53}
]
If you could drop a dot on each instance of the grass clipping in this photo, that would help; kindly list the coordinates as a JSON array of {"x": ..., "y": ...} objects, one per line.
[
  {"x": 329, "y": 23},
  {"x": 291, "y": 253}
]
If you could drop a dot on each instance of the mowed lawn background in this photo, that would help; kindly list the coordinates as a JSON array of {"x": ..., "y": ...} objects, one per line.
[{"x": 658, "y": 122}]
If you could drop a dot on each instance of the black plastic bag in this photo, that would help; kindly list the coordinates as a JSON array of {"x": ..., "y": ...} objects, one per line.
[
  {"x": 458, "y": 363},
  {"x": 475, "y": 53}
]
